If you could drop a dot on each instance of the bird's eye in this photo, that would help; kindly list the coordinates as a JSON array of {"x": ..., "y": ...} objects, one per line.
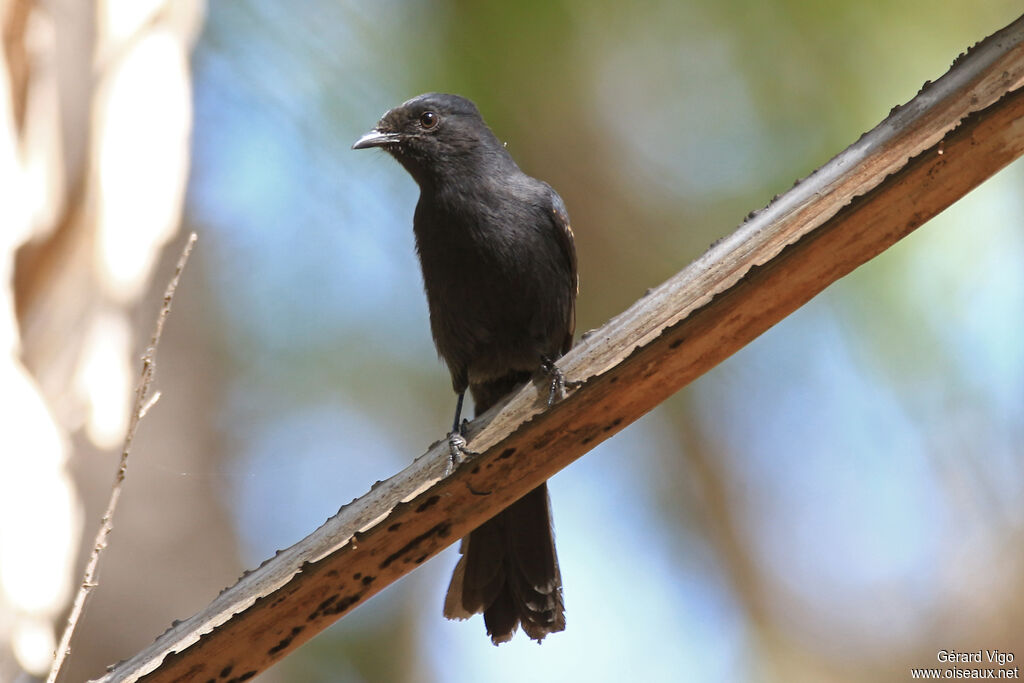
[{"x": 428, "y": 119}]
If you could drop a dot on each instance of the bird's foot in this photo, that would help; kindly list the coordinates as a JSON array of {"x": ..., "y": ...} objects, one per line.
[
  {"x": 558, "y": 381},
  {"x": 458, "y": 451}
]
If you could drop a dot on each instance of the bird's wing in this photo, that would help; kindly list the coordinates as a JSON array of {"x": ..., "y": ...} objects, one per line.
[{"x": 563, "y": 231}]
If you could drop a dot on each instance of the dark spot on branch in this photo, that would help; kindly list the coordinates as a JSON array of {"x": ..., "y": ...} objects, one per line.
[
  {"x": 367, "y": 580},
  {"x": 285, "y": 642},
  {"x": 428, "y": 503},
  {"x": 395, "y": 527},
  {"x": 613, "y": 380},
  {"x": 441, "y": 530},
  {"x": 507, "y": 453},
  {"x": 322, "y": 607},
  {"x": 613, "y": 424},
  {"x": 475, "y": 470},
  {"x": 475, "y": 492},
  {"x": 419, "y": 560},
  {"x": 344, "y": 603},
  {"x": 357, "y": 576},
  {"x": 226, "y": 671},
  {"x": 677, "y": 343}
]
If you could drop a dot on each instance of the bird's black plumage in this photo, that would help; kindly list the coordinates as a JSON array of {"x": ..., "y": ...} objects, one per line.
[{"x": 499, "y": 269}]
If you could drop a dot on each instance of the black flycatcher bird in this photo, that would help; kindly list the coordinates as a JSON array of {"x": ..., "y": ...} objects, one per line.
[{"x": 499, "y": 269}]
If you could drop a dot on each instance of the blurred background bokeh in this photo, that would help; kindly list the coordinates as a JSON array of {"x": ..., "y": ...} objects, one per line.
[{"x": 837, "y": 502}]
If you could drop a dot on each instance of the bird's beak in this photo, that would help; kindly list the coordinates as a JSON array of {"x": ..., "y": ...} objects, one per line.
[{"x": 375, "y": 138}]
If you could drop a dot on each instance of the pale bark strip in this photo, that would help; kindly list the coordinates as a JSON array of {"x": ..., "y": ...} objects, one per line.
[{"x": 956, "y": 133}]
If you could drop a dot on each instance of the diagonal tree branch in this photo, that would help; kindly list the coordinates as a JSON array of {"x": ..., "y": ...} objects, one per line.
[{"x": 927, "y": 154}]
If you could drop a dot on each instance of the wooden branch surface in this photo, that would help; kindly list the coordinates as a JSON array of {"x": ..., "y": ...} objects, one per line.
[{"x": 927, "y": 154}]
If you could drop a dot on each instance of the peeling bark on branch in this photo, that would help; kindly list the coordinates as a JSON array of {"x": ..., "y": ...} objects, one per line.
[{"x": 927, "y": 154}]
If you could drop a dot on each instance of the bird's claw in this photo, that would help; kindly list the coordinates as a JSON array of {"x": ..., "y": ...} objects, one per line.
[
  {"x": 558, "y": 381},
  {"x": 458, "y": 451}
]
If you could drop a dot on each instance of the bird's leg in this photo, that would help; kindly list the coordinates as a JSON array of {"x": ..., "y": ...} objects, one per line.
[
  {"x": 456, "y": 427},
  {"x": 457, "y": 450},
  {"x": 558, "y": 381}
]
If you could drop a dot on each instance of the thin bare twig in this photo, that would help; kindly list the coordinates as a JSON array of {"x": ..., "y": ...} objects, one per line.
[{"x": 143, "y": 402}]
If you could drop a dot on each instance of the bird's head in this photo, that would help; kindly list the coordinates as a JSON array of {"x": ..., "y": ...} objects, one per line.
[{"x": 431, "y": 133}]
